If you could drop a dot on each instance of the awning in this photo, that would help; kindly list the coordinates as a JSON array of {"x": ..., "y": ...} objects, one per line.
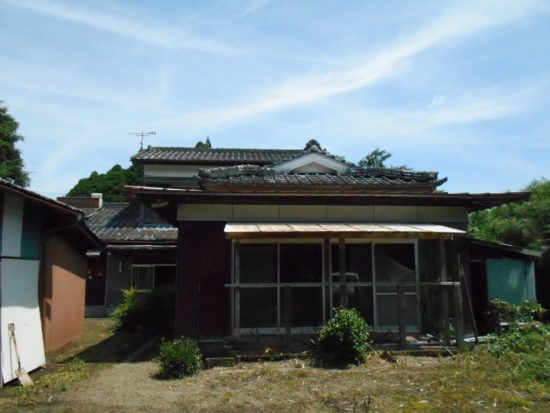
[{"x": 337, "y": 230}]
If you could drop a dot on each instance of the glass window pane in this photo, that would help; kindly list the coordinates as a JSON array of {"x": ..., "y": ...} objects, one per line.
[
  {"x": 358, "y": 260},
  {"x": 301, "y": 262},
  {"x": 143, "y": 278},
  {"x": 395, "y": 263},
  {"x": 387, "y": 310},
  {"x": 258, "y": 307},
  {"x": 306, "y": 306},
  {"x": 258, "y": 263},
  {"x": 361, "y": 299}
]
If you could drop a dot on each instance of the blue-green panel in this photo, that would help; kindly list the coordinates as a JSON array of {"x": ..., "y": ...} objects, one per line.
[
  {"x": 32, "y": 229},
  {"x": 511, "y": 280}
]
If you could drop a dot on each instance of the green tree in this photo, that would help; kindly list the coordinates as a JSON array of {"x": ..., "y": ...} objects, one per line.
[
  {"x": 375, "y": 159},
  {"x": 206, "y": 145},
  {"x": 11, "y": 164},
  {"x": 525, "y": 224},
  {"x": 110, "y": 184}
]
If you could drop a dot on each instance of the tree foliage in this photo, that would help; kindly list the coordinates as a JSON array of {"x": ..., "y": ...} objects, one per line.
[
  {"x": 110, "y": 184},
  {"x": 525, "y": 224},
  {"x": 377, "y": 159},
  {"x": 206, "y": 145},
  {"x": 11, "y": 164}
]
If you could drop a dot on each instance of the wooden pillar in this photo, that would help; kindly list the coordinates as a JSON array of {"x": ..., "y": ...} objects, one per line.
[
  {"x": 326, "y": 281},
  {"x": 288, "y": 313},
  {"x": 445, "y": 293},
  {"x": 458, "y": 319},
  {"x": 401, "y": 308},
  {"x": 237, "y": 292},
  {"x": 343, "y": 301}
]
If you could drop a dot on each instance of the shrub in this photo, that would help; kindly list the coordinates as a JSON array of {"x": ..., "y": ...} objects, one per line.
[
  {"x": 126, "y": 315},
  {"x": 150, "y": 313},
  {"x": 343, "y": 340},
  {"x": 179, "y": 358},
  {"x": 525, "y": 348},
  {"x": 502, "y": 311}
]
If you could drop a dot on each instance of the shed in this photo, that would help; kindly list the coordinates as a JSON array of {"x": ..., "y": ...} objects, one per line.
[{"x": 42, "y": 276}]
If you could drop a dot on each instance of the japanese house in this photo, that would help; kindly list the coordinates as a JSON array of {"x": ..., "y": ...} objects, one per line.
[
  {"x": 42, "y": 277},
  {"x": 139, "y": 251},
  {"x": 269, "y": 241}
]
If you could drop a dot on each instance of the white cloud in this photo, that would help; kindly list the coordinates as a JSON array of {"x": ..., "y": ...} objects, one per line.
[
  {"x": 365, "y": 71},
  {"x": 144, "y": 31}
]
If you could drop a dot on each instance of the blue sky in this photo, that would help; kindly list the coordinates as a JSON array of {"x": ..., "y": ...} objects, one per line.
[{"x": 462, "y": 88}]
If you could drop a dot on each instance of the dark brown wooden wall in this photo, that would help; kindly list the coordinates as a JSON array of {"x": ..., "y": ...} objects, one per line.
[{"x": 204, "y": 267}]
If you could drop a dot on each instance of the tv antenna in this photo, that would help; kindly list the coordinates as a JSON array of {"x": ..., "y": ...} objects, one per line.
[{"x": 142, "y": 134}]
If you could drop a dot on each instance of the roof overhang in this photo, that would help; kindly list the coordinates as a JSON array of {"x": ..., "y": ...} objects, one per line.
[
  {"x": 141, "y": 247},
  {"x": 339, "y": 230}
]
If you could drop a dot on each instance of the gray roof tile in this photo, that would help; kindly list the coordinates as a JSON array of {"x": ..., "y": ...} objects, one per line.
[
  {"x": 123, "y": 222},
  {"x": 212, "y": 156},
  {"x": 357, "y": 178}
]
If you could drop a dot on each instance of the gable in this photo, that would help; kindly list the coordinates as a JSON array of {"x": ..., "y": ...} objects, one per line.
[{"x": 312, "y": 163}]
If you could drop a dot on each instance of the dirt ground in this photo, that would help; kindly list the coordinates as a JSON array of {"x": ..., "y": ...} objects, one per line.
[
  {"x": 268, "y": 386},
  {"x": 105, "y": 380}
]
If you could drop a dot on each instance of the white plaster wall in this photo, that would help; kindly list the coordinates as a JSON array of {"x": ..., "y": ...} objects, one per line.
[
  {"x": 19, "y": 305},
  {"x": 171, "y": 171}
]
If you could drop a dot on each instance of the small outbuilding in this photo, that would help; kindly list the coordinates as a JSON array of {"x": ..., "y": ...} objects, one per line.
[{"x": 42, "y": 277}]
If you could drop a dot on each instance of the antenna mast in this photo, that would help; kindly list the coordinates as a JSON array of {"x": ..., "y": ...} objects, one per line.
[{"x": 142, "y": 134}]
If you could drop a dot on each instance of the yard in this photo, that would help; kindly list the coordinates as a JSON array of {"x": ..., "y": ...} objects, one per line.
[{"x": 101, "y": 379}]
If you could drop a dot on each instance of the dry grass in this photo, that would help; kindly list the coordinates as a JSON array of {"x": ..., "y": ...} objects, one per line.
[
  {"x": 412, "y": 384},
  {"x": 470, "y": 382}
]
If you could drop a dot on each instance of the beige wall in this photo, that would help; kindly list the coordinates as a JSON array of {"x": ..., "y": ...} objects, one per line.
[
  {"x": 63, "y": 282},
  {"x": 323, "y": 213}
]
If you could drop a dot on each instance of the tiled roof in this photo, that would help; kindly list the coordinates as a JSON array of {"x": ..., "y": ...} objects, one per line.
[
  {"x": 123, "y": 221},
  {"x": 213, "y": 156},
  {"x": 257, "y": 178}
]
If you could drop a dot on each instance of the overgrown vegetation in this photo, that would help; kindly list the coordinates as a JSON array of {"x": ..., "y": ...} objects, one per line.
[
  {"x": 525, "y": 224},
  {"x": 474, "y": 381},
  {"x": 525, "y": 349},
  {"x": 110, "y": 184},
  {"x": 504, "y": 312},
  {"x": 343, "y": 340},
  {"x": 149, "y": 312},
  {"x": 179, "y": 358}
]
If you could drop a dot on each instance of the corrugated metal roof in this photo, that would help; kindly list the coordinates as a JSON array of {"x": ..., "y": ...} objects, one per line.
[{"x": 335, "y": 230}]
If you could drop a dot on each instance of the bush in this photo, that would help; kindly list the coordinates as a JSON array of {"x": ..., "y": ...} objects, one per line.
[
  {"x": 502, "y": 311},
  {"x": 126, "y": 314},
  {"x": 149, "y": 313},
  {"x": 343, "y": 340},
  {"x": 525, "y": 348},
  {"x": 179, "y": 358}
]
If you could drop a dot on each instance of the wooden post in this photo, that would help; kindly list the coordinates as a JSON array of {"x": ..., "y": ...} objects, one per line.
[
  {"x": 445, "y": 295},
  {"x": 288, "y": 313},
  {"x": 459, "y": 319},
  {"x": 327, "y": 286},
  {"x": 342, "y": 269},
  {"x": 237, "y": 291},
  {"x": 401, "y": 315}
]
